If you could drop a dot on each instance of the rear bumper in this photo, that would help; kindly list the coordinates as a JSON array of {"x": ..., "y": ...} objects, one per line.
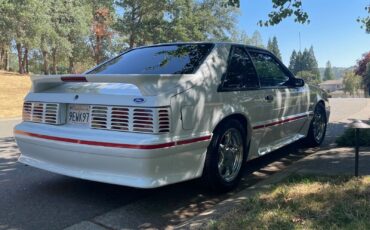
[{"x": 143, "y": 161}]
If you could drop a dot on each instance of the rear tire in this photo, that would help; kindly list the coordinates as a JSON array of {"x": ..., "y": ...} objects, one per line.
[
  {"x": 317, "y": 130},
  {"x": 226, "y": 156}
]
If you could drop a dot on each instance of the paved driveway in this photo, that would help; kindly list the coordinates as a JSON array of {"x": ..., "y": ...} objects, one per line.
[{"x": 36, "y": 199}]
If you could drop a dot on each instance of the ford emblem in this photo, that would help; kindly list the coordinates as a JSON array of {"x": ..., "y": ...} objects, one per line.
[{"x": 139, "y": 100}]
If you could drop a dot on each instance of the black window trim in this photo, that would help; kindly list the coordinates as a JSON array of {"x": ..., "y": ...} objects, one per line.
[
  {"x": 282, "y": 66},
  {"x": 213, "y": 45},
  {"x": 221, "y": 87}
]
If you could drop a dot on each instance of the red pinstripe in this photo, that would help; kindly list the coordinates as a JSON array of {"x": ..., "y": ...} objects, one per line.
[
  {"x": 114, "y": 145},
  {"x": 279, "y": 122}
]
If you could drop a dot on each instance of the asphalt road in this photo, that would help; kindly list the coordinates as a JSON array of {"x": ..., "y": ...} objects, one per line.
[{"x": 35, "y": 199}]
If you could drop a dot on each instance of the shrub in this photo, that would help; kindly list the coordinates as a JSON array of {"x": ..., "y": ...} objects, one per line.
[{"x": 349, "y": 138}]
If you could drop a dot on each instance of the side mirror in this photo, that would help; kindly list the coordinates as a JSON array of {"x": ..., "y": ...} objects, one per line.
[{"x": 298, "y": 82}]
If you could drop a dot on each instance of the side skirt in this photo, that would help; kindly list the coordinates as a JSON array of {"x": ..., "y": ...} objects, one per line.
[{"x": 271, "y": 148}]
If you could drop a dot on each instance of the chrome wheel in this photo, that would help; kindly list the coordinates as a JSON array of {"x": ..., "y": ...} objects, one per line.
[
  {"x": 230, "y": 153},
  {"x": 318, "y": 125}
]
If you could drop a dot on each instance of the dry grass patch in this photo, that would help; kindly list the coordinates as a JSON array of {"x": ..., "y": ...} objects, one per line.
[
  {"x": 14, "y": 88},
  {"x": 305, "y": 202}
]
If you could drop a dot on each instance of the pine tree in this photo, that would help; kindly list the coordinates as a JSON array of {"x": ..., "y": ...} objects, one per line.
[
  {"x": 240, "y": 37},
  {"x": 269, "y": 45},
  {"x": 328, "y": 74},
  {"x": 305, "y": 61},
  {"x": 292, "y": 63},
  {"x": 313, "y": 65},
  {"x": 274, "y": 47},
  {"x": 256, "y": 39},
  {"x": 298, "y": 64},
  {"x": 304, "y": 64}
]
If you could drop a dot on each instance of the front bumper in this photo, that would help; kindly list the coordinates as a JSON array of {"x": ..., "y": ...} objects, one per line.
[{"x": 131, "y": 159}]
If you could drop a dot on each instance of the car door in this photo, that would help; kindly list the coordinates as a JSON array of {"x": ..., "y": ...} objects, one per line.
[
  {"x": 239, "y": 92},
  {"x": 296, "y": 111},
  {"x": 278, "y": 103}
]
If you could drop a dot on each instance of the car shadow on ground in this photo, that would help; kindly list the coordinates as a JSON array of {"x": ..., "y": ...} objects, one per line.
[{"x": 77, "y": 200}]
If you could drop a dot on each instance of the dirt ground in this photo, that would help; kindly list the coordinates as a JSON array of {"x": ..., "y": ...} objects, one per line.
[{"x": 13, "y": 88}]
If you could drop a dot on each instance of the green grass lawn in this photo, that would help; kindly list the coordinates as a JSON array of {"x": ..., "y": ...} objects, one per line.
[{"x": 305, "y": 202}]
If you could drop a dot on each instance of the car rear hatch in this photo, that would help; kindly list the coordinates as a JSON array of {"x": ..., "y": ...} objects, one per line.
[{"x": 133, "y": 103}]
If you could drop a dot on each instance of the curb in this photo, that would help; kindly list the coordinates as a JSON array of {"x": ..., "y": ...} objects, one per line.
[{"x": 201, "y": 221}]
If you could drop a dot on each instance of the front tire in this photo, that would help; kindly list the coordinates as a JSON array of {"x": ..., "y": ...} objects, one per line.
[
  {"x": 226, "y": 156},
  {"x": 317, "y": 130}
]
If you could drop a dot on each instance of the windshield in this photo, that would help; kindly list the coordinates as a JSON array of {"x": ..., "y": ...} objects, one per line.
[{"x": 164, "y": 59}]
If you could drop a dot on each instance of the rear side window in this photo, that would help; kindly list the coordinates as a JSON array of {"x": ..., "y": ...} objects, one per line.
[
  {"x": 269, "y": 71},
  {"x": 165, "y": 59},
  {"x": 240, "y": 71}
]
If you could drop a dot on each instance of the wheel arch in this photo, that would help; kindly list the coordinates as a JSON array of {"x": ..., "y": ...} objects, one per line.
[
  {"x": 243, "y": 119},
  {"x": 321, "y": 101},
  {"x": 326, "y": 108}
]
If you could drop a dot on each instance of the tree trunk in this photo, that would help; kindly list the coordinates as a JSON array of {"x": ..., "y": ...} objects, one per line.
[
  {"x": 25, "y": 60},
  {"x": 97, "y": 49},
  {"x": 20, "y": 66},
  {"x": 2, "y": 57},
  {"x": 54, "y": 64},
  {"x": 6, "y": 60},
  {"x": 46, "y": 64},
  {"x": 132, "y": 41},
  {"x": 71, "y": 68},
  {"x": 132, "y": 28}
]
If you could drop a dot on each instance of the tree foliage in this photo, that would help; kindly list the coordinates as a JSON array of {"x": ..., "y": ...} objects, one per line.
[
  {"x": 365, "y": 21},
  {"x": 21, "y": 21},
  {"x": 304, "y": 64},
  {"x": 328, "y": 74},
  {"x": 362, "y": 64},
  {"x": 363, "y": 69},
  {"x": 351, "y": 82},
  {"x": 67, "y": 36},
  {"x": 273, "y": 46},
  {"x": 256, "y": 39},
  {"x": 366, "y": 76},
  {"x": 144, "y": 21},
  {"x": 309, "y": 77},
  {"x": 282, "y": 9},
  {"x": 240, "y": 37}
]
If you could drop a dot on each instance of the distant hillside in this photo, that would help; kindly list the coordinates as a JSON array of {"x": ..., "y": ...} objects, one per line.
[{"x": 338, "y": 71}]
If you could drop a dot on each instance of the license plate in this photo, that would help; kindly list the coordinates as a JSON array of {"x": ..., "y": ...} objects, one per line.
[{"x": 78, "y": 114}]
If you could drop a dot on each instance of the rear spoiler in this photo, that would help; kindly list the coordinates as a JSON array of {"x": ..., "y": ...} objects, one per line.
[{"x": 148, "y": 84}]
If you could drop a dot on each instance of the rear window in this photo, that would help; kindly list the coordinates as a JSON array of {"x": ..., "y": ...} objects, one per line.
[{"x": 165, "y": 59}]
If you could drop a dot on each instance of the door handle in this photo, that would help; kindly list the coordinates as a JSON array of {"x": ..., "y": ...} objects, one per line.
[{"x": 269, "y": 98}]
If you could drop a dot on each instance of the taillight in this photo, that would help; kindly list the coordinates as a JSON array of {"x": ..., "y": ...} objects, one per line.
[
  {"x": 40, "y": 112},
  {"x": 130, "y": 119}
]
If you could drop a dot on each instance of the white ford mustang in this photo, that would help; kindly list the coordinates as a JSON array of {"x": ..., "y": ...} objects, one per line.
[{"x": 162, "y": 114}]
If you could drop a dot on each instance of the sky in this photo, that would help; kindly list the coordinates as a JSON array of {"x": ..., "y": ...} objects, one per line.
[{"x": 333, "y": 31}]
